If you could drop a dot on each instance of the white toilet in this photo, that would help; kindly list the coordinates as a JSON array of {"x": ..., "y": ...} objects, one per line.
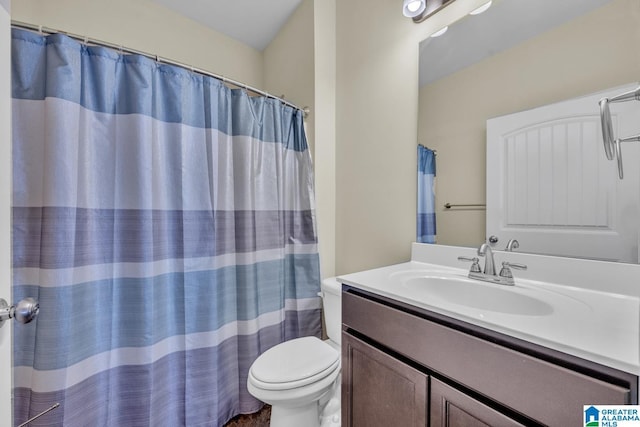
[{"x": 295, "y": 375}]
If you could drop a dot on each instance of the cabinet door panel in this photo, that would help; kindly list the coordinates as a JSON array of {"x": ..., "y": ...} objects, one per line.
[
  {"x": 452, "y": 408},
  {"x": 379, "y": 390}
]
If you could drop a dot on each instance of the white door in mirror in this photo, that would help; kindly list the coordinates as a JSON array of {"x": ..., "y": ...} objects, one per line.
[{"x": 551, "y": 187}]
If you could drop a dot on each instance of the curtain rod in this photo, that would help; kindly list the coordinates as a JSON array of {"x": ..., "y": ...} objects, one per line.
[{"x": 87, "y": 40}]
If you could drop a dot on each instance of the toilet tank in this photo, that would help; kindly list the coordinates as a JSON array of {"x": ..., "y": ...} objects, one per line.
[{"x": 332, "y": 307}]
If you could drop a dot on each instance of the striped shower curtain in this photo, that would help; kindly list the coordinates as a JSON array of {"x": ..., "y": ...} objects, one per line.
[
  {"x": 426, "y": 218},
  {"x": 166, "y": 225}
]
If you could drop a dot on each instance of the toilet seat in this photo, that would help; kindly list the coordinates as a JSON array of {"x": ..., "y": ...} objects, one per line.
[
  {"x": 293, "y": 364},
  {"x": 294, "y": 384}
]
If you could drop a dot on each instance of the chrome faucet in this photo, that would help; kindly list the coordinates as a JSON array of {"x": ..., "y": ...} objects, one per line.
[
  {"x": 489, "y": 275},
  {"x": 489, "y": 263}
]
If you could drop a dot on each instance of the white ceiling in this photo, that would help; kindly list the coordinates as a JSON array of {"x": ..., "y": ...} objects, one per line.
[{"x": 253, "y": 22}]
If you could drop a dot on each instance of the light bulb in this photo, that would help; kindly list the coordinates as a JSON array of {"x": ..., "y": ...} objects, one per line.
[
  {"x": 412, "y": 8},
  {"x": 414, "y": 5}
]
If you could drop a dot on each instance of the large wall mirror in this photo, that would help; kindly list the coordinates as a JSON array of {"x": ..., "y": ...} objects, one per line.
[{"x": 517, "y": 56}]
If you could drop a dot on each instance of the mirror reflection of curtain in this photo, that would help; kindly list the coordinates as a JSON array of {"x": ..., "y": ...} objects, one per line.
[
  {"x": 426, "y": 218},
  {"x": 165, "y": 223}
]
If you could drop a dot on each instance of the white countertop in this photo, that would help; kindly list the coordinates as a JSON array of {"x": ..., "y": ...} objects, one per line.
[{"x": 590, "y": 322}]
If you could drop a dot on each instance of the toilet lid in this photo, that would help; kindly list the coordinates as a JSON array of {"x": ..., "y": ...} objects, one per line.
[{"x": 295, "y": 360}]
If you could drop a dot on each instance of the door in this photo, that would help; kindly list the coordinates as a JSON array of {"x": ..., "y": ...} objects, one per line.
[
  {"x": 5, "y": 211},
  {"x": 452, "y": 408},
  {"x": 379, "y": 390},
  {"x": 550, "y": 186}
]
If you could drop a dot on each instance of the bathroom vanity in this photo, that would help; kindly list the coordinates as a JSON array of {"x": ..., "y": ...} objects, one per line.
[{"x": 412, "y": 358}]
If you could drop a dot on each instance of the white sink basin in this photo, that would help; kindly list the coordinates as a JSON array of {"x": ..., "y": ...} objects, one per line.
[
  {"x": 476, "y": 294},
  {"x": 568, "y": 305}
]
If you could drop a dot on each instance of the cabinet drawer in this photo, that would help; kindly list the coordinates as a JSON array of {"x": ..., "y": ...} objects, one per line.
[{"x": 541, "y": 390}]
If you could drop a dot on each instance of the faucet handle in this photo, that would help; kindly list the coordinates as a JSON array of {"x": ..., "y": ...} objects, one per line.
[
  {"x": 511, "y": 245},
  {"x": 507, "y": 266},
  {"x": 514, "y": 265},
  {"x": 475, "y": 266}
]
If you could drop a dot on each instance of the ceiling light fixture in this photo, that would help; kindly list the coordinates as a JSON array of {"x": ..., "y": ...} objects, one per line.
[
  {"x": 412, "y": 8},
  {"x": 440, "y": 32},
  {"x": 481, "y": 9}
]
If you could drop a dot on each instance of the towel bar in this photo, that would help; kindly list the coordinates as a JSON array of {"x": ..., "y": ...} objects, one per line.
[{"x": 467, "y": 205}]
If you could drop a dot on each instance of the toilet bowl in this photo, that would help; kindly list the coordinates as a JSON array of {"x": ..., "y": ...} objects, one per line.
[{"x": 295, "y": 375}]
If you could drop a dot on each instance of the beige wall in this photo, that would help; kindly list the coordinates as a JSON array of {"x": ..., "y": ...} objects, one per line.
[
  {"x": 376, "y": 129},
  {"x": 594, "y": 52},
  {"x": 288, "y": 61},
  {"x": 324, "y": 113},
  {"x": 148, "y": 27}
]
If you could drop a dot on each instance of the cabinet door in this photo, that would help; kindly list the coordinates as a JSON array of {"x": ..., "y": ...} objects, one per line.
[
  {"x": 379, "y": 390},
  {"x": 452, "y": 408}
]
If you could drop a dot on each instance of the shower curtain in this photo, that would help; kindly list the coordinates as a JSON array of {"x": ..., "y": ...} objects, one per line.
[
  {"x": 426, "y": 218},
  {"x": 166, "y": 225}
]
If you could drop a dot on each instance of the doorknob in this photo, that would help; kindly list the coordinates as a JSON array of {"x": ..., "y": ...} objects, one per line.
[{"x": 24, "y": 312}]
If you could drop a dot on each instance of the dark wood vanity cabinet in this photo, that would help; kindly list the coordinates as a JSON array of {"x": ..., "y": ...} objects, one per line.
[
  {"x": 403, "y": 366},
  {"x": 383, "y": 391}
]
